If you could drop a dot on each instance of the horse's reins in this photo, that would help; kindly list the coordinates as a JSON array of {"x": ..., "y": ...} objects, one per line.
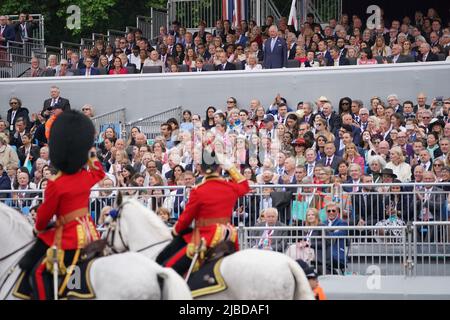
[{"x": 15, "y": 251}]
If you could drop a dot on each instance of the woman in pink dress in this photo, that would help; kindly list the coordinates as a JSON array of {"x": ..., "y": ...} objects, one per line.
[
  {"x": 366, "y": 57},
  {"x": 118, "y": 67},
  {"x": 351, "y": 155}
]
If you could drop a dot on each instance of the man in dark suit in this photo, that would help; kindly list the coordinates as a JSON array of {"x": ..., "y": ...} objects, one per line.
[
  {"x": 270, "y": 239},
  {"x": 224, "y": 64},
  {"x": 333, "y": 120},
  {"x": 24, "y": 29},
  {"x": 89, "y": 70},
  {"x": 275, "y": 50},
  {"x": 421, "y": 102},
  {"x": 336, "y": 58},
  {"x": 425, "y": 54},
  {"x": 330, "y": 159},
  {"x": 15, "y": 112},
  {"x": 126, "y": 64},
  {"x": 199, "y": 65},
  {"x": 6, "y": 32},
  {"x": 397, "y": 57},
  {"x": 22, "y": 152},
  {"x": 55, "y": 99},
  {"x": 367, "y": 204}
]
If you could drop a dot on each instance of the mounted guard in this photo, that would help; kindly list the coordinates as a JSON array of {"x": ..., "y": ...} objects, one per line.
[
  {"x": 64, "y": 225},
  {"x": 210, "y": 207}
]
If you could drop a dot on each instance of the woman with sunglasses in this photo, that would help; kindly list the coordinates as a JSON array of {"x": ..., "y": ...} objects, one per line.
[{"x": 15, "y": 112}]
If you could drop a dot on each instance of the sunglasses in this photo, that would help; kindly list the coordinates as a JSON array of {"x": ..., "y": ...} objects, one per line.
[
  {"x": 13, "y": 103},
  {"x": 331, "y": 210},
  {"x": 85, "y": 109},
  {"x": 437, "y": 165},
  {"x": 250, "y": 126}
]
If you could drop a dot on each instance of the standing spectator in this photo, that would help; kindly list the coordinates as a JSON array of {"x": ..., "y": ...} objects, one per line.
[
  {"x": 55, "y": 100},
  {"x": 275, "y": 50},
  {"x": 24, "y": 27},
  {"x": 6, "y": 34},
  {"x": 337, "y": 245},
  {"x": 17, "y": 112},
  {"x": 28, "y": 151}
]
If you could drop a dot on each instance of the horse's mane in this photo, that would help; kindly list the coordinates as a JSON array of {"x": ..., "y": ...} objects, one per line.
[
  {"x": 18, "y": 223},
  {"x": 150, "y": 217}
]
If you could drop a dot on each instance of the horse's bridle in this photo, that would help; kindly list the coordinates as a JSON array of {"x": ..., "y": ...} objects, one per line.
[{"x": 116, "y": 214}]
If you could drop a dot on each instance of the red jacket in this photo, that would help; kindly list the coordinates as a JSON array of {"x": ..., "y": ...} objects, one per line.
[
  {"x": 63, "y": 195},
  {"x": 215, "y": 198}
]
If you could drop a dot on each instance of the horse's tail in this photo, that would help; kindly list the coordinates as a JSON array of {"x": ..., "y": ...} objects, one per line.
[
  {"x": 173, "y": 286},
  {"x": 302, "y": 288}
]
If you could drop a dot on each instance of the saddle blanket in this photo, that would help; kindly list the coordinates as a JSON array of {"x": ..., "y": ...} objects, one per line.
[
  {"x": 207, "y": 280},
  {"x": 78, "y": 287}
]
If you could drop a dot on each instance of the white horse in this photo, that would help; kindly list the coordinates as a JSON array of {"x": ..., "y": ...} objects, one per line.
[
  {"x": 122, "y": 276},
  {"x": 249, "y": 274}
]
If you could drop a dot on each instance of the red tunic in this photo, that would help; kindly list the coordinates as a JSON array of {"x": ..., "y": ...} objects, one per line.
[
  {"x": 215, "y": 198},
  {"x": 63, "y": 195}
]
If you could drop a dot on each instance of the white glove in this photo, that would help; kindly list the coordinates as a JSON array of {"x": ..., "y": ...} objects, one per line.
[{"x": 224, "y": 161}]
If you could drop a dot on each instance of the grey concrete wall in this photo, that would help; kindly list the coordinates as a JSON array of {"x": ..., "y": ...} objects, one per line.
[
  {"x": 148, "y": 94},
  {"x": 385, "y": 288}
]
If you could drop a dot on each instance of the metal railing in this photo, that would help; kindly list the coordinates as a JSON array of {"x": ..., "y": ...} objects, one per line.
[
  {"x": 323, "y": 10},
  {"x": 145, "y": 24},
  {"x": 150, "y": 126},
  {"x": 189, "y": 13},
  {"x": 75, "y": 47},
  {"x": 115, "y": 118},
  {"x": 38, "y": 33},
  {"x": 342, "y": 249},
  {"x": 355, "y": 250},
  {"x": 114, "y": 34},
  {"x": 87, "y": 43}
]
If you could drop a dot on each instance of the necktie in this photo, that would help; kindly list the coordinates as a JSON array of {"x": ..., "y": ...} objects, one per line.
[
  {"x": 328, "y": 162},
  {"x": 88, "y": 72},
  {"x": 310, "y": 169},
  {"x": 3, "y": 29},
  {"x": 34, "y": 73},
  {"x": 53, "y": 102},
  {"x": 272, "y": 44},
  {"x": 424, "y": 166},
  {"x": 223, "y": 66}
]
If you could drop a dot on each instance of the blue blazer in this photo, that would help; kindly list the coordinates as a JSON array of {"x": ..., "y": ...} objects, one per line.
[
  {"x": 9, "y": 34},
  {"x": 94, "y": 72},
  {"x": 338, "y": 246},
  {"x": 276, "y": 58}
]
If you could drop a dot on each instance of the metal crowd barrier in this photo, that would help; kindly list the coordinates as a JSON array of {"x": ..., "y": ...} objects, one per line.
[
  {"x": 356, "y": 250},
  {"x": 115, "y": 119},
  {"x": 39, "y": 18},
  {"x": 150, "y": 126}
]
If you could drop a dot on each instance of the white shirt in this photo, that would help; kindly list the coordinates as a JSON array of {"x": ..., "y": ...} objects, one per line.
[{"x": 255, "y": 67}]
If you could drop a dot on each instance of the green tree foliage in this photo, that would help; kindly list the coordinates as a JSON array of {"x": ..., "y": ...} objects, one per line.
[{"x": 96, "y": 15}]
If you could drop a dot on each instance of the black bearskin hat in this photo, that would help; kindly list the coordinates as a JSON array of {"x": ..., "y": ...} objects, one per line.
[
  {"x": 71, "y": 138},
  {"x": 210, "y": 164}
]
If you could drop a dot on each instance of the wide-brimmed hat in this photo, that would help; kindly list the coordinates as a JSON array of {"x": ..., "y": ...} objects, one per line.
[
  {"x": 436, "y": 122},
  {"x": 299, "y": 142},
  {"x": 388, "y": 172}
]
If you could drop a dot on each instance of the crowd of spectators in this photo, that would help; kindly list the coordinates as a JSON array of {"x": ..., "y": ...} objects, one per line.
[
  {"x": 321, "y": 145},
  {"x": 347, "y": 41}
]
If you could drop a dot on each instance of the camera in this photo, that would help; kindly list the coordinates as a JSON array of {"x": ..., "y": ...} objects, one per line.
[{"x": 439, "y": 101}]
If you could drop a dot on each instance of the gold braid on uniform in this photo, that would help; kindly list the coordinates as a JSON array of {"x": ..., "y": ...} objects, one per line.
[{"x": 236, "y": 175}]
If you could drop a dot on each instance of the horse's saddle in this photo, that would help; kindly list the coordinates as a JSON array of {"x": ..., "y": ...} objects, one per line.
[
  {"x": 75, "y": 286},
  {"x": 208, "y": 279}
]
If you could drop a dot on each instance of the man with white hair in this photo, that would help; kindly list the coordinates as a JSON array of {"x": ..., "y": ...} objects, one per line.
[
  {"x": 63, "y": 70},
  {"x": 425, "y": 54},
  {"x": 275, "y": 50},
  {"x": 270, "y": 239},
  {"x": 394, "y": 103}
]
